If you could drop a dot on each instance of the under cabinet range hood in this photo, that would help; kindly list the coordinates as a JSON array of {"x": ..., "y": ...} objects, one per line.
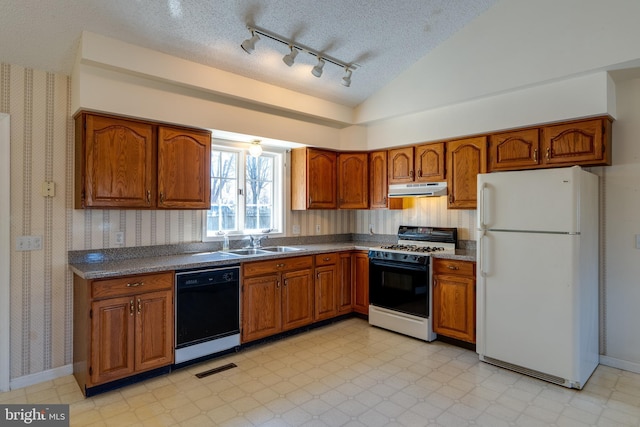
[{"x": 418, "y": 189}]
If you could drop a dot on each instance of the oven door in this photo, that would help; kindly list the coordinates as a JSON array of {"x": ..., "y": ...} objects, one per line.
[{"x": 399, "y": 286}]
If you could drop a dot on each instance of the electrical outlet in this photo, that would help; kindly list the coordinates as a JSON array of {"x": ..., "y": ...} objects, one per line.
[
  {"x": 296, "y": 229},
  {"x": 36, "y": 243},
  {"x": 119, "y": 237},
  {"x": 317, "y": 228}
]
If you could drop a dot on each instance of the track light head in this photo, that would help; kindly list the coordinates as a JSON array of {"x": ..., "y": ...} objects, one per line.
[
  {"x": 249, "y": 45},
  {"x": 290, "y": 58},
  {"x": 317, "y": 70},
  {"x": 346, "y": 80}
]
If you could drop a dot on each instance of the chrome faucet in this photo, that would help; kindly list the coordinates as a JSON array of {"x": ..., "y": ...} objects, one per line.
[{"x": 256, "y": 241}]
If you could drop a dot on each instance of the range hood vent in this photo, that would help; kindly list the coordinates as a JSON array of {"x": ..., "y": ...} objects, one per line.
[{"x": 418, "y": 189}]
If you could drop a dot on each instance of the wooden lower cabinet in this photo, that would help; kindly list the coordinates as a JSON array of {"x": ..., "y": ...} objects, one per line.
[
  {"x": 327, "y": 281},
  {"x": 360, "y": 271},
  {"x": 277, "y": 295},
  {"x": 122, "y": 327},
  {"x": 345, "y": 286},
  {"x": 454, "y": 299}
]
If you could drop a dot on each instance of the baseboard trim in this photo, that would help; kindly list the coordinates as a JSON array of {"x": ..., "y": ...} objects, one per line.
[
  {"x": 41, "y": 377},
  {"x": 620, "y": 364}
]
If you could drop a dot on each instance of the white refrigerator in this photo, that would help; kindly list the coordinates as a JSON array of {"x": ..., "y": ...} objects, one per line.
[{"x": 537, "y": 273}]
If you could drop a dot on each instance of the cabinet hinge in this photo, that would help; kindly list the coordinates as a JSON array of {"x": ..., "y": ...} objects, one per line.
[
  {"x": 90, "y": 370},
  {"x": 91, "y": 314}
]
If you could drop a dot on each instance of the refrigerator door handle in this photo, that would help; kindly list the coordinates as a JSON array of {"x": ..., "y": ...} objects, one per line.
[
  {"x": 482, "y": 255},
  {"x": 481, "y": 216}
]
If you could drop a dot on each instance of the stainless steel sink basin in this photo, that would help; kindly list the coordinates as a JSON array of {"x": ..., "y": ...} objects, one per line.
[
  {"x": 248, "y": 251},
  {"x": 282, "y": 249}
]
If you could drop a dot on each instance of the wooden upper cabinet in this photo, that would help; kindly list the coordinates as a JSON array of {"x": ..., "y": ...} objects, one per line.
[
  {"x": 515, "y": 150},
  {"x": 313, "y": 179},
  {"x": 184, "y": 168},
  {"x": 586, "y": 143},
  {"x": 429, "y": 162},
  {"x": 422, "y": 163},
  {"x": 115, "y": 163},
  {"x": 466, "y": 158},
  {"x": 353, "y": 180},
  {"x": 400, "y": 165},
  {"x": 378, "y": 185},
  {"x": 127, "y": 163}
]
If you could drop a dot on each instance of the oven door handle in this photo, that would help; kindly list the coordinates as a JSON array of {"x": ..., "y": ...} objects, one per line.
[{"x": 404, "y": 266}]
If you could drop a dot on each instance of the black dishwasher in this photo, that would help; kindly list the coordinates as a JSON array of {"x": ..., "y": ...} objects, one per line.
[{"x": 207, "y": 312}]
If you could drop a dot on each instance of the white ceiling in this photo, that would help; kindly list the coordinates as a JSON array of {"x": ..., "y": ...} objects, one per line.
[{"x": 384, "y": 36}]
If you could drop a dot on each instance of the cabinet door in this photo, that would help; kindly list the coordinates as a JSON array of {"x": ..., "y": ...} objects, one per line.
[
  {"x": 297, "y": 299},
  {"x": 325, "y": 292},
  {"x": 361, "y": 283},
  {"x": 261, "y": 312},
  {"x": 378, "y": 186},
  {"x": 514, "y": 150},
  {"x": 184, "y": 169},
  {"x": 430, "y": 162},
  {"x": 154, "y": 330},
  {"x": 400, "y": 165},
  {"x": 344, "y": 288},
  {"x": 119, "y": 163},
  {"x": 112, "y": 339},
  {"x": 576, "y": 143},
  {"x": 353, "y": 181},
  {"x": 321, "y": 179},
  {"x": 454, "y": 307},
  {"x": 466, "y": 158}
]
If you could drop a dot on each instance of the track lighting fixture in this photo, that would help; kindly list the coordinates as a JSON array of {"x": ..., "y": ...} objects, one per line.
[
  {"x": 255, "y": 149},
  {"x": 317, "y": 70},
  {"x": 249, "y": 46},
  {"x": 291, "y": 56},
  {"x": 346, "y": 79}
]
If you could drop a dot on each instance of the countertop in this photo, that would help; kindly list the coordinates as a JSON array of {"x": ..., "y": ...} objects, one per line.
[{"x": 100, "y": 269}]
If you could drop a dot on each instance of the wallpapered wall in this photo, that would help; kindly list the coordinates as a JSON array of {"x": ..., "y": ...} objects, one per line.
[{"x": 42, "y": 149}]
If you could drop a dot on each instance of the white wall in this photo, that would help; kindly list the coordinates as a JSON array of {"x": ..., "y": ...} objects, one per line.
[
  {"x": 622, "y": 223},
  {"x": 513, "y": 45}
]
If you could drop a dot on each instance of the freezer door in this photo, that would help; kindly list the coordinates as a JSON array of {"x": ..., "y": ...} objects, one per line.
[
  {"x": 527, "y": 296},
  {"x": 540, "y": 200}
]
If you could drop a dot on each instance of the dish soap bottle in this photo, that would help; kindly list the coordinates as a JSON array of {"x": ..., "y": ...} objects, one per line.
[{"x": 225, "y": 242}]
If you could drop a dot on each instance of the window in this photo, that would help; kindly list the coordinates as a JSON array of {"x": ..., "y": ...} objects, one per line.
[{"x": 246, "y": 193}]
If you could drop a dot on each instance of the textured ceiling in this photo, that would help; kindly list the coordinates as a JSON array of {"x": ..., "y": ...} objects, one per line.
[{"x": 384, "y": 36}]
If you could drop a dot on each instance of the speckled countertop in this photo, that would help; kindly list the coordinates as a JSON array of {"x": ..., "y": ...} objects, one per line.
[{"x": 128, "y": 261}]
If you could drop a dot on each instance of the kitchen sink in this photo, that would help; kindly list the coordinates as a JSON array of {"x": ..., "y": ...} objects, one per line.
[
  {"x": 282, "y": 249},
  {"x": 249, "y": 251}
]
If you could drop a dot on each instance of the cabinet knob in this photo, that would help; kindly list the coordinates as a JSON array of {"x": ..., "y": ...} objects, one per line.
[
  {"x": 139, "y": 306},
  {"x": 130, "y": 307},
  {"x": 161, "y": 197},
  {"x": 278, "y": 284},
  {"x": 410, "y": 174},
  {"x": 535, "y": 155},
  {"x": 134, "y": 284},
  {"x": 450, "y": 198},
  {"x": 326, "y": 259},
  {"x": 148, "y": 197},
  {"x": 548, "y": 153},
  {"x": 420, "y": 173},
  {"x": 452, "y": 267}
]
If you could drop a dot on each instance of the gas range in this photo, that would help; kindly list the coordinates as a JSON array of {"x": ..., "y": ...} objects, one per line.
[{"x": 415, "y": 244}]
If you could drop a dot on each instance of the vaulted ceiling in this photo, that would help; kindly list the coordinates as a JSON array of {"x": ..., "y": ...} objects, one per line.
[{"x": 383, "y": 37}]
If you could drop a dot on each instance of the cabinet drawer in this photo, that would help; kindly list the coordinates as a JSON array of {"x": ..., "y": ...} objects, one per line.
[
  {"x": 449, "y": 266},
  {"x": 326, "y": 259},
  {"x": 283, "y": 264},
  {"x": 130, "y": 285}
]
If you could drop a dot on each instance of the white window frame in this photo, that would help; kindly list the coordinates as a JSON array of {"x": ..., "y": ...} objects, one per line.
[{"x": 278, "y": 191}]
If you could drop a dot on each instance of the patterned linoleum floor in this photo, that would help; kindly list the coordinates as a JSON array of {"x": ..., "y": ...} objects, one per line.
[{"x": 349, "y": 374}]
